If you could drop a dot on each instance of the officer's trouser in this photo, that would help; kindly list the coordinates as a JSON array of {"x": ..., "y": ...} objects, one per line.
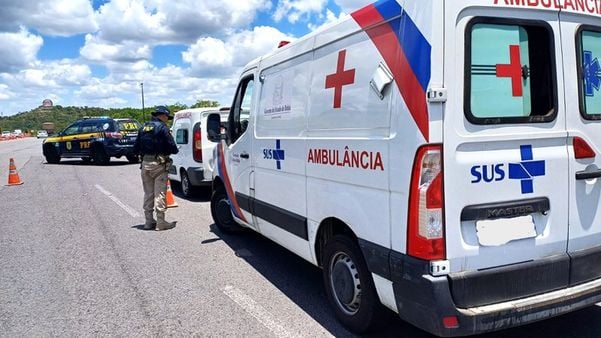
[{"x": 154, "y": 179}]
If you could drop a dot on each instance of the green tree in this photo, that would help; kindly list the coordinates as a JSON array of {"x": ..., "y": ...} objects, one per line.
[
  {"x": 205, "y": 104},
  {"x": 173, "y": 108}
]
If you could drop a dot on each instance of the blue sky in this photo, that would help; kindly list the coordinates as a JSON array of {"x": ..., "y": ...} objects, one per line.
[{"x": 96, "y": 53}]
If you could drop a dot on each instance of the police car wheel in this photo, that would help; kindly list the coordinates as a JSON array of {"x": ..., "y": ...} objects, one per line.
[
  {"x": 86, "y": 160},
  {"x": 133, "y": 158},
  {"x": 349, "y": 286},
  {"x": 99, "y": 156},
  {"x": 52, "y": 156},
  {"x": 221, "y": 212}
]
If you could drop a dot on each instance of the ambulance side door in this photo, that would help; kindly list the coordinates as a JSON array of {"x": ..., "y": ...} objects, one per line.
[
  {"x": 582, "y": 49},
  {"x": 238, "y": 154}
]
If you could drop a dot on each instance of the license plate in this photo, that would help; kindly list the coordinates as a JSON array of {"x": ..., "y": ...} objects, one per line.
[{"x": 504, "y": 230}]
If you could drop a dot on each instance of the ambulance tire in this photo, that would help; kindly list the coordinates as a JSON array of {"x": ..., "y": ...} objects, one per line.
[
  {"x": 100, "y": 156},
  {"x": 187, "y": 188},
  {"x": 350, "y": 287},
  {"x": 52, "y": 156},
  {"x": 222, "y": 214}
]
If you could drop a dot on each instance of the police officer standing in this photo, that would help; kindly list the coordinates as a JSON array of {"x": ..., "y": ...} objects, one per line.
[{"x": 155, "y": 144}]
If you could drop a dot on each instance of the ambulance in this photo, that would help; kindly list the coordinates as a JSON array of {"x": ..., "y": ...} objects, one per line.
[
  {"x": 437, "y": 158},
  {"x": 191, "y": 166}
]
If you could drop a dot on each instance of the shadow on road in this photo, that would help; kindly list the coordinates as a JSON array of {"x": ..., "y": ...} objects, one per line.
[
  {"x": 140, "y": 227},
  {"x": 302, "y": 283},
  {"x": 200, "y": 194}
]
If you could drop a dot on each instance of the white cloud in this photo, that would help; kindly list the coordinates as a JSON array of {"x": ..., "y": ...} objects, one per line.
[
  {"x": 210, "y": 56},
  {"x": 104, "y": 52},
  {"x": 295, "y": 10},
  {"x": 330, "y": 18},
  {"x": 5, "y": 92},
  {"x": 18, "y": 50},
  {"x": 55, "y": 74},
  {"x": 184, "y": 21},
  {"x": 50, "y": 17},
  {"x": 349, "y": 6}
]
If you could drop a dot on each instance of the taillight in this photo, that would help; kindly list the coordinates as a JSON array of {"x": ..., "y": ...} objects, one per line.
[
  {"x": 582, "y": 149},
  {"x": 197, "y": 145},
  {"x": 115, "y": 135},
  {"x": 425, "y": 235}
]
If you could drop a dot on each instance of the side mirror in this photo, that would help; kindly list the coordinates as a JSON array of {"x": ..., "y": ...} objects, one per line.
[{"x": 214, "y": 127}]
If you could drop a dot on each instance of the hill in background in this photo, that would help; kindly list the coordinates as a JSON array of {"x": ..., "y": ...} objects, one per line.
[{"x": 63, "y": 116}]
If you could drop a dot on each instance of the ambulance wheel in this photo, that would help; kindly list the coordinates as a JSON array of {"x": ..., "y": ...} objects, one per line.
[
  {"x": 133, "y": 158},
  {"x": 52, "y": 156},
  {"x": 222, "y": 212},
  {"x": 349, "y": 286},
  {"x": 187, "y": 188},
  {"x": 100, "y": 156}
]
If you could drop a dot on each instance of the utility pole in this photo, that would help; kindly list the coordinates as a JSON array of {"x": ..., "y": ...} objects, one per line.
[{"x": 142, "y": 89}]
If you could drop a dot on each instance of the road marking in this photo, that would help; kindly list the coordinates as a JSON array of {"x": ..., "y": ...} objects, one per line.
[
  {"x": 257, "y": 311},
  {"x": 123, "y": 206}
]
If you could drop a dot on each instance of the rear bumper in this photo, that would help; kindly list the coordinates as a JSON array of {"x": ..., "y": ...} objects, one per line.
[
  {"x": 119, "y": 149},
  {"x": 197, "y": 176},
  {"x": 424, "y": 300}
]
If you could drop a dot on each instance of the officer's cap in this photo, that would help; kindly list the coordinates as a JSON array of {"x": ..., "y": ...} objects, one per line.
[{"x": 158, "y": 110}]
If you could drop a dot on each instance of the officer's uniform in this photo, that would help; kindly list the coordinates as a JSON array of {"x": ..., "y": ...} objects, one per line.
[{"x": 155, "y": 144}]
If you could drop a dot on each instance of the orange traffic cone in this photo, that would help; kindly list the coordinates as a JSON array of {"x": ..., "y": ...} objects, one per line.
[
  {"x": 171, "y": 203},
  {"x": 13, "y": 176}
]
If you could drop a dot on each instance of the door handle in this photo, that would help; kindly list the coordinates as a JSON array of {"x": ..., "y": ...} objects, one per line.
[
  {"x": 587, "y": 175},
  {"x": 244, "y": 155}
]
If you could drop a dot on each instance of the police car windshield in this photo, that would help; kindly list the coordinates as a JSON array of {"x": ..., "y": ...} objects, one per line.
[{"x": 128, "y": 125}]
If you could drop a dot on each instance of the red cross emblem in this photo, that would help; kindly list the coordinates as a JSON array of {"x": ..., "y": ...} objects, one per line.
[
  {"x": 513, "y": 70},
  {"x": 340, "y": 78}
]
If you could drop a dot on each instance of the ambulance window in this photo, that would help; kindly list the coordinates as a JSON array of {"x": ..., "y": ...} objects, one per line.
[
  {"x": 589, "y": 51},
  {"x": 181, "y": 136},
  {"x": 238, "y": 120},
  {"x": 510, "y": 74},
  {"x": 245, "y": 107}
]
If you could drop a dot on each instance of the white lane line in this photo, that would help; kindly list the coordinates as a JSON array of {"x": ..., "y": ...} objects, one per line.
[
  {"x": 123, "y": 206},
  {"x": 257, "y": 311}
]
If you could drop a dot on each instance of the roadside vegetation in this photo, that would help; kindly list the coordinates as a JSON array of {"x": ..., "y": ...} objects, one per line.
[{"x": 62, "y": 116}]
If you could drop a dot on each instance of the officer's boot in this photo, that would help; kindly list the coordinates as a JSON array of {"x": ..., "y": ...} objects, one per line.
[
  {"x": 150, "y": 221},
  {"x": 162, "y": 224}
]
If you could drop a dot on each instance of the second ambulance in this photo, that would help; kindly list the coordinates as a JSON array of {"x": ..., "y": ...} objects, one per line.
[{"x": 437, "y": 158}]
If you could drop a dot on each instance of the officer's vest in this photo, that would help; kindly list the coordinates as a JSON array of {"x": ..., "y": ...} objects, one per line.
[{"x": 149, "y": 138}]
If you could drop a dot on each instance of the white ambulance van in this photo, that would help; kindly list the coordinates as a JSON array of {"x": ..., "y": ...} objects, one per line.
[
  {"x": 192, "y": 164},
  {"x": 439, "y": 158}
]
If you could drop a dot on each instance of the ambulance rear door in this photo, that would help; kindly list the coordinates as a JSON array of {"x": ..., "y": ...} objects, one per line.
[
  {"x": 505, "y": 152},
  {"x": 582, "y": 53}
]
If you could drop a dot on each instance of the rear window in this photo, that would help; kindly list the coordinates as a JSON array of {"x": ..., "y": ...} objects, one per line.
[
  {"x": 128, "y": 125},
  {"x": 510, "y": 73},
  {"x": 589, "y": 51}
]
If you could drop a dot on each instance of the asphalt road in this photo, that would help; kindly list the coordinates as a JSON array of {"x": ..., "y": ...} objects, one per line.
[{"x": 74, "y": 262}]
